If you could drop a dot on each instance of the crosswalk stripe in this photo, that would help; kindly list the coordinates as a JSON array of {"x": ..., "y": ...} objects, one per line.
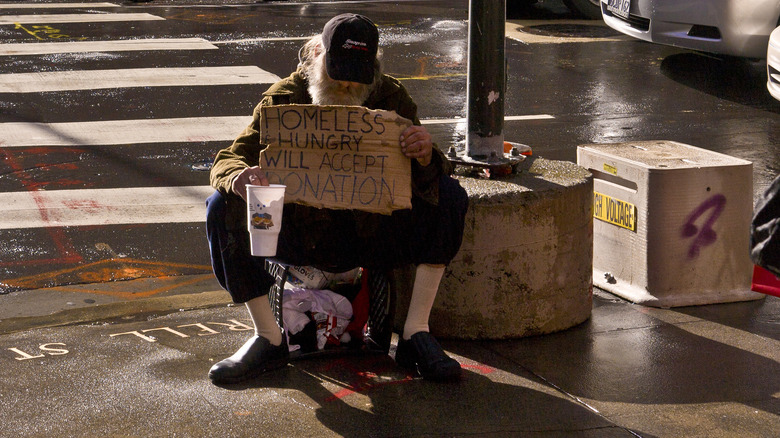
[
  {"x": 506, "y": 118},
  {"x": 50, "y": 48},
  {"x": 139, "y": 205},
  {"x": 56, "y": 5},
  {"x": 116, "y": 132},
  {"x": 91, "y": 207},
  {"x": 262, "y": 40},
  {"x": 138, "y": 77},
  {"x": 76, "y": 18}
]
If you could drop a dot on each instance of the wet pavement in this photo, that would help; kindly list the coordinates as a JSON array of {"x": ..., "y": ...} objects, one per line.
[
  {"x": 574, "y": 81},
  {"x": 84, "y": 355},
  {"x": 706, "y": 371}
]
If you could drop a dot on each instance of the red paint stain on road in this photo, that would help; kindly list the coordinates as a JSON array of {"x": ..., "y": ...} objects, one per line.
[
  {"x": 86, "y": 205},
  {"x": 484, "y": 369},
  {"x": 365, "y": 381},
  {"x": 104, "y": 271},
  {"x": 68, "y": 253}
]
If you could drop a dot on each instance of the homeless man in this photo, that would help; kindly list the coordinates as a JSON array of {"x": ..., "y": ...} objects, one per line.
[{"x": 338, "y": 67}]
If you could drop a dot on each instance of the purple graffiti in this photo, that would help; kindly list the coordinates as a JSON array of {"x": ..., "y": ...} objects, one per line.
[{"x": 706, "y": 236}]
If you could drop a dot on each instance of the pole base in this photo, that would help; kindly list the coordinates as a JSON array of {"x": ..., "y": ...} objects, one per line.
[{"x": 494, "y": 165}]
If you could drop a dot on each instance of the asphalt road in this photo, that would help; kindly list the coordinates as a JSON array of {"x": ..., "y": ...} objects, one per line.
[
  {"x": 89, "y": 162},
  {"x": 103, "y": 159}
]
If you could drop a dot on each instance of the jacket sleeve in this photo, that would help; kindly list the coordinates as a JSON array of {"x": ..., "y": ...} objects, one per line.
[
  {"x": 243, "y": 153},
  {"x": 425, "y": 179}
]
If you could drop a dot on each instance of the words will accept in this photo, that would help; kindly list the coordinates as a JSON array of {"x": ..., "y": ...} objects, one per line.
[{"x": 341, "y": 157}]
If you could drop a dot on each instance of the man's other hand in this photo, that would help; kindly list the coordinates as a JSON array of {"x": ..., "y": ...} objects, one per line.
[
  {"x": 416, "y": 143},
  {"x": 250, "y": 175}
]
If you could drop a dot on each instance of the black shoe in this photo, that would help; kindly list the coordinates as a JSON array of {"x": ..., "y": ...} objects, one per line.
[
  {"x": 423, "y": 354},
  {"x": 254, "y": 358}
]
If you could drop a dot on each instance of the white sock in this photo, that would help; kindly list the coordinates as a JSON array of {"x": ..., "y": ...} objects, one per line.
[
  {"x": 426, "y": 284},
  {"x": 264, "y": 320}
]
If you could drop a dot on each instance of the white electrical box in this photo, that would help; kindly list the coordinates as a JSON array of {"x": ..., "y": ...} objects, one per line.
[{"x": 671, "y": 223}]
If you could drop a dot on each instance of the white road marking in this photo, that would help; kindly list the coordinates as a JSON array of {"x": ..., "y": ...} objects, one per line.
[
  {"x": 49, "y": 48},
  {"x": 115, "y": 132},
  {"x": 506, "y": 118},
  {"x": 56, "y": 5},
  {"x": 138, "y": 77},
  {"x": 76, "y": 18},
  {"x": 91, "y": 207},
  {"x": 262, "y": 40}
]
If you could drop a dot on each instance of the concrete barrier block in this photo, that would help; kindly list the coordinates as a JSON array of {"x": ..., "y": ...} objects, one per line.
[
  {"x": 525, "y": 266},
  {"x": 673, "y": 224}
]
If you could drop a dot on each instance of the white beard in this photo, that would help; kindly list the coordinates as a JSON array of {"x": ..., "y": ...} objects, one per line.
[{"x": 326, "y": 91}]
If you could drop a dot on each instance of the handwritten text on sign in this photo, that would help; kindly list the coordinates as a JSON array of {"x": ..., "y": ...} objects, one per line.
[{"x": 341, "y": 157}]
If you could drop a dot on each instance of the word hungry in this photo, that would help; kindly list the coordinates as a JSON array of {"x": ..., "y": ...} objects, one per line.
[{"x": 341, "y": 157}]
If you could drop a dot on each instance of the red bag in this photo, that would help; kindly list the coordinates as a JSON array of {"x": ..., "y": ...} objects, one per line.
[
  {"x": 765, "y": 282},
  {"x": 359, "y": 309}
]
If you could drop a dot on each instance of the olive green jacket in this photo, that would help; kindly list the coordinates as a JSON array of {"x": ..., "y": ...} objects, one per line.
[{"x": 389, "y": 95}]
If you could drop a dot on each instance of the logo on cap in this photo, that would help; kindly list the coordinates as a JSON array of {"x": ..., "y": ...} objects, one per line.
[{"x": 350, "y": 44}]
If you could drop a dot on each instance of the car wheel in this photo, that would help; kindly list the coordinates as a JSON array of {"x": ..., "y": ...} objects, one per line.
[
  {"x": 587, "y": 8},
  {"x": 516, "y": 7}
]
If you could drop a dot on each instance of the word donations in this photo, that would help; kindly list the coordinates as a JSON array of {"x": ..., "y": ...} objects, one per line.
[{"x": 339, "y": 157}]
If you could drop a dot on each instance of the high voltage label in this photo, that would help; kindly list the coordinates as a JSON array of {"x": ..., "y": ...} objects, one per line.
[{"x": 614, "y": 211}]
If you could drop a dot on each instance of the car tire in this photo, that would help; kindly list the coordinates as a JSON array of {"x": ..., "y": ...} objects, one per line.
[
  {"x": 587, "y": 8},
  {"x": 518, "y": 7}
]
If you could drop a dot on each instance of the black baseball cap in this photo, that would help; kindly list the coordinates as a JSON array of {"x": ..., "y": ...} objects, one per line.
[{"x": 351, "y": 42}]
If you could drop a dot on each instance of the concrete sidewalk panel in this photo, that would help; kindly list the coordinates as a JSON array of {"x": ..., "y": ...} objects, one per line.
[
  {"x": 147, "y": 377},
  {"x": 664, "y": 372}
]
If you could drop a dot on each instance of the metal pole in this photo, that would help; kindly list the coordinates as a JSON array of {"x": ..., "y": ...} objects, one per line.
[{"x": 486, "y": 80}]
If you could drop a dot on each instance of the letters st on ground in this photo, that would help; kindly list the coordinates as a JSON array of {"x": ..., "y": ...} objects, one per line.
[{"x": 339, "y": 157}]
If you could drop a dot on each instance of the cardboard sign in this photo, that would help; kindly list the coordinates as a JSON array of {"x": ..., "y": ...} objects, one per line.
[{"x": 340, "y": 157}]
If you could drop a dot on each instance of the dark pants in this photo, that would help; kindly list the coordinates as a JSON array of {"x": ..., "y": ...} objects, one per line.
[{"x": 334, "y": 240}]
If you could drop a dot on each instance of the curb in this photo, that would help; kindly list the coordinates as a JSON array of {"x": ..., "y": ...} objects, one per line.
[{"x": 109, "y": 311}]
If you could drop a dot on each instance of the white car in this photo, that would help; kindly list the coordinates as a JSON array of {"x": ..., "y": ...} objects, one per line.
[
  {"x": 738, "y": 28},
  {"x": 773, "y": 64}
]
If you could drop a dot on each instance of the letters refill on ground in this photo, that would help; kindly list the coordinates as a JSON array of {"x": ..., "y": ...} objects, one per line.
[{"x": 339, "y": 157}]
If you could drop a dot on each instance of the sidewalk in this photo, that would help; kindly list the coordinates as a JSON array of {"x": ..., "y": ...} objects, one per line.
[{"x": 139, "y": 369}]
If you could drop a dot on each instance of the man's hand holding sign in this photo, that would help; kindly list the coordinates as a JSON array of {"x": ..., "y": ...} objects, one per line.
[{"x": 339, "y": 156}]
